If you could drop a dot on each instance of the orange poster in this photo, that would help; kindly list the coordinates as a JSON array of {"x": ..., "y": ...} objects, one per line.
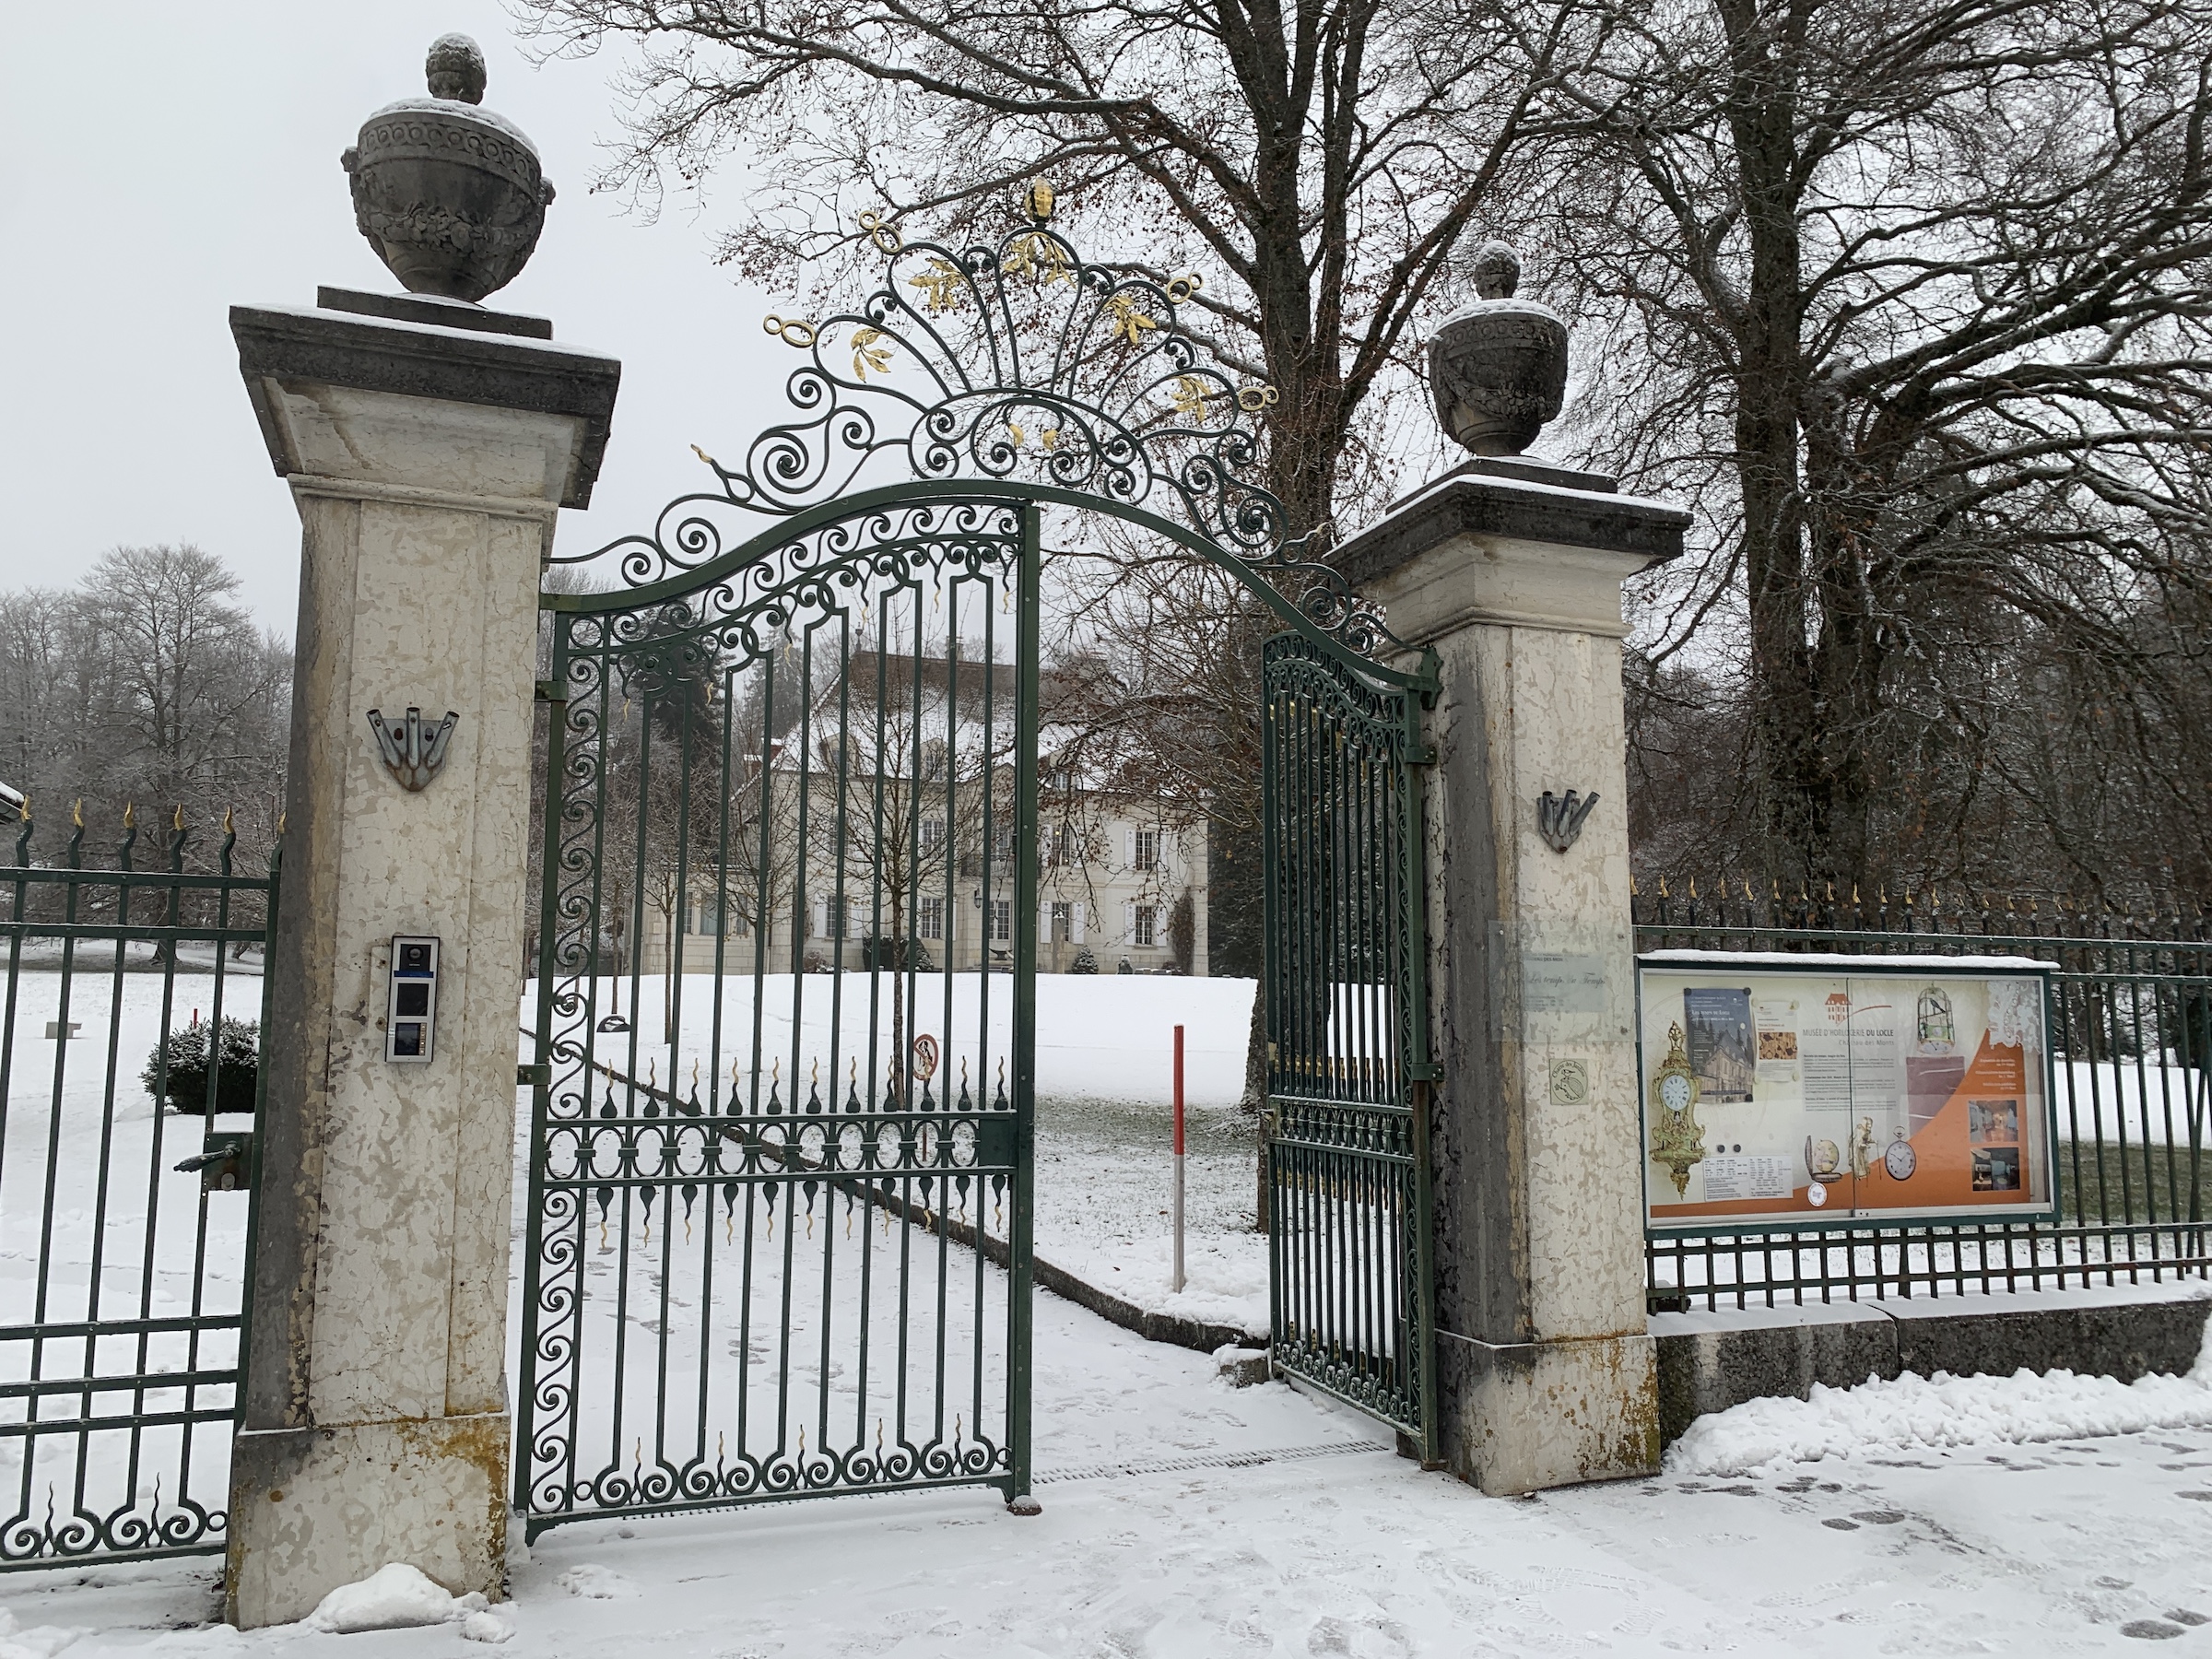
[{"x": 1802, "y": 1087}]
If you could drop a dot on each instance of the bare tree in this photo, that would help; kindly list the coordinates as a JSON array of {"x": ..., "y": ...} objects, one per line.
[
  {"x": 148, "y": 685},
  {"x": 1909, "y": 299},
  {"x": 1320, "y": 160}
]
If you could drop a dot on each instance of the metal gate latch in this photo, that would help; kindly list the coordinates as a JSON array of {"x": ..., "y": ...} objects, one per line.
[{"x": 223, "y": 1166}]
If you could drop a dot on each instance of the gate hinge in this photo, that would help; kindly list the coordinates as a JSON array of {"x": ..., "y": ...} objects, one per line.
[
  {"x": 534, "y": 1077},
  {"x": 552, "y": 691},
  {"x": 1422, "y": 754},
  {"x": 1424, "y": 1071}
]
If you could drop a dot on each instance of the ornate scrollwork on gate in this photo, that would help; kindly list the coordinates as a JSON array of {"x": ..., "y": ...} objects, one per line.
[{"x": 1011, "y": 364}]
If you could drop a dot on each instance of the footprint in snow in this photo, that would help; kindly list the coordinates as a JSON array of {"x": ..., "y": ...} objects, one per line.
[{"x": 597, "y": 1583}]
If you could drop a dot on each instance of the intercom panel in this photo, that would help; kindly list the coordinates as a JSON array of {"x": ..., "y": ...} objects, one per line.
[{"x": 411, "y": 1018}]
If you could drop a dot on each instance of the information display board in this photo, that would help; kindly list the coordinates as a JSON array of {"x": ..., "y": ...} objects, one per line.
[{"x": 1797, "y": 1087}]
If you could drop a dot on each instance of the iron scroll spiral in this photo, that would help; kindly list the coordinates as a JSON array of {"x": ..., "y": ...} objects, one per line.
[{"x": 1009, "y": 364}]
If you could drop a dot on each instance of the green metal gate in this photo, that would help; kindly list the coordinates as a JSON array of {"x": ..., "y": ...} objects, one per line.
[
  {"x": 790, "y": 832},
  {"x": 126, "y": 1175},
  {"x": 779, "y": 1209},
  {"x": 1348, "y": 1062}
]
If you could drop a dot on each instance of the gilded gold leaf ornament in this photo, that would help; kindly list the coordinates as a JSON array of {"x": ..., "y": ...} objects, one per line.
[
  {"x": 1127, "y": 323},
  {"x": 1180, "y": 289},
  {"x": 1190, "y": 397},
  {"x": 1035, "y": 255},
  {"x": 1038, "y": 201},
  {"x": 940, "y": 284},
  {"x": 1252, "y": 399},
  {"x": 867, "y": 354}
]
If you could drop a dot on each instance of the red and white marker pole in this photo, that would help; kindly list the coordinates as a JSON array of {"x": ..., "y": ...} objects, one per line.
[{"x": 1178, "y": 1158}]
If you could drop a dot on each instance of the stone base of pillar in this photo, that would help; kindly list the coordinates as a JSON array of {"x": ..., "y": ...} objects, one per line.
[
  {"x": 313, "y": 1509},
  {"x": 1528, "y": 1416}
]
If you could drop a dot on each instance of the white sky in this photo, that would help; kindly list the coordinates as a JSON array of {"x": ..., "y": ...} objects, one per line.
[{"x": 160, "y": 162}]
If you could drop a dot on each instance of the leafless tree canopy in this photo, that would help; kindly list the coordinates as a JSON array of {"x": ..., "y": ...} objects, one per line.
[
  {"x": 1318, "y": 165},
  {"x": 1906, "y": 297},
  {"x": 148, "y": 685},
  {"x": 1908, "y": 300}
]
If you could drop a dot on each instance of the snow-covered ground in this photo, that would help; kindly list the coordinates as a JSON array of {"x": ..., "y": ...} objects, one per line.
[
  {"x": 1105, "y": 1084},
  {"x": 1184, "y": 1517}
]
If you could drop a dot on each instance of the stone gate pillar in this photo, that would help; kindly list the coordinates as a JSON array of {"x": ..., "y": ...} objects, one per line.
[
  {"x": 429, "y": 444},
  {"x": 1511, "y": 570}
]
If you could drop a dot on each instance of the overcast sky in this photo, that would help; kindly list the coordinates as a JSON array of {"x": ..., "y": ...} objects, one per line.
[{"x": 160, "y": 162}]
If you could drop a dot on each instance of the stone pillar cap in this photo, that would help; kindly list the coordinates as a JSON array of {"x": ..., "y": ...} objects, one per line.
[{"x": 467, "y": 365}]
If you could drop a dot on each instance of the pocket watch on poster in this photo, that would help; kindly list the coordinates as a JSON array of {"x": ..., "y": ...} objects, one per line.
[
  {"x": 1677, "y": 1141},
  {"x": 1898, "y": 1157}
]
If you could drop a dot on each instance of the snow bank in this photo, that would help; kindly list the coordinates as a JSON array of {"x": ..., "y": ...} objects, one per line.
[
  {"x": 41, "y": 1641},
  {"x": 399, "y": 1597},
  {"x": 1915, "y": 1412}
]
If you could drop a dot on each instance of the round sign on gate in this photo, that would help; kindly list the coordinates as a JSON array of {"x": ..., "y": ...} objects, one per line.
[{"x": 925, "y": 1056}]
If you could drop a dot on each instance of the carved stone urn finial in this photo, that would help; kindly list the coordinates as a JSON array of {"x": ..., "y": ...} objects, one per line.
[
  {"x": 1498, "y": 366},
  {"x": 450, "y": 195},
  {"x": 455, "y": 69}
]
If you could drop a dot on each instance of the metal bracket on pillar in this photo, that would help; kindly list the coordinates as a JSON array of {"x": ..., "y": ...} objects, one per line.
[{"x": 1558, "y": 821}]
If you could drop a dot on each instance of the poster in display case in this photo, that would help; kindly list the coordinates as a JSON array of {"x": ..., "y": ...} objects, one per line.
[{"x": 1787, "y": 1087}]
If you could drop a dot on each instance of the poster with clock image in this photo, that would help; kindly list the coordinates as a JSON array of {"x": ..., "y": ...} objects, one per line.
[{"x": 1811, "y": 1088}]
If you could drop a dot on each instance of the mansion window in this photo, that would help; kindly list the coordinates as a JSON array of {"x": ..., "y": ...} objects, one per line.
[
  {"x": 1146, "y": 927},
  {"x": 929, "y": 919},
  {"x": 1001, "y": 920},
  {"x": 1147, "y": 852}
]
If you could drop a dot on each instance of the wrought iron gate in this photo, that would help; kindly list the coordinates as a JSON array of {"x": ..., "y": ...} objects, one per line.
[
  {"x": 790, "y": 834},
  {"x": 785, "y": 1003},
  {"x": 125, "y": 1154},
  {"x": 1348, "y": 1063}
]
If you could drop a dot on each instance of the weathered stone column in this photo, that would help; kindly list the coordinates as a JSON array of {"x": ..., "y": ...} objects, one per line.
[
  {"x": 429, "y": 444},
  {"x": 1512, "y": 570}
]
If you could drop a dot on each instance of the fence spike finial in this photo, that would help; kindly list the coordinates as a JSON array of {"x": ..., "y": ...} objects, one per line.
[
  {"x": 1854, "y": 893},
  {"x": 76, "y": 813},
  {"x": 1829, "y": 889},
  {"x": 1663, "y": 893},
  {"x": 1749, "y": 897},
  {"x": 1775, "y": 881},
  {"x": 1634, "y": 891},
  {"x": 280, "y": 816},
  {"x": 229, "y": 829},
  {"x": 130, "y": 816},
  {"x": 178, "y": 821},
  {"x": 1693, "y": 887},
  {"x": 1803, "y": 896}
]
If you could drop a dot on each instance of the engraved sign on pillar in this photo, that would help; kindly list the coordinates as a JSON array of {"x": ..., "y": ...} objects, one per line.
[{"x": 411, "y": 754}]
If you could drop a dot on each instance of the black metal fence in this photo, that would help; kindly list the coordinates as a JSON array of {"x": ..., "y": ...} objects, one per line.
[
  {"x": 2131, "y": 1040},
  {"x": 128, "y": 1047}
]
